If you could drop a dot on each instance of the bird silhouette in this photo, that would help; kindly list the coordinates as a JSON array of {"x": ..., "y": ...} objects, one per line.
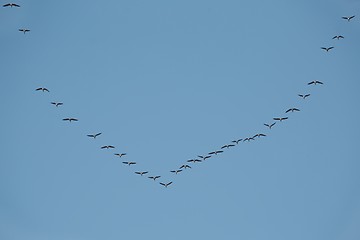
[
  {"x": 237, "y": 141},
  {"x": 107, "y": 147},
  {"x": 11, "y": 5},
  {"x": 176, "y": 171},
  {"x": 70, "y": 119},
  {"x": 185, "y": 166},
  {"x": 227, "y": 146},
  {"x": 259, "y": 135},
  {"x": 129, "y": 163},
  {"x": 280, "y": 119},
  {"x": 270, "y": 125},
  {"x": 166, "y": 184},
  {"x": 315, "y": 82},
  {"x": 248, "y": 139},
  {"x": 215, "y": 152},
  {"x": 204, "y": 157},
  {"x": 292, "y": 110},
  {"x": 24, "y": 30},
  {"x": 154, "y": 177},
  {"x": 141, "y": 173},
  {"x": 57, "y": 103},
  {"x": 194, "y": 160},
  {"x": 42, "y": 89},
  {"x": 348, "y": 18},
  {"x": 338, "y": 37},
  {"x": 94, "y": 135},
  {"x": 327, "y": 48},
  {"x": 303, "y": 96},
  {"x": 119, "y": 154}
]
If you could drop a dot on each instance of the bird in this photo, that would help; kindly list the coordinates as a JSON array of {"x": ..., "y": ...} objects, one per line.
[
  {"x": 348, "y": 18},
  {"x": 11, "y": 5},
  {"x": 227, "y": 146},
  {"x": 292, "y": 110},
  {"x": 42, "y": 89},
  {"x": 107, "y": 147},
  {"x": 315, "y": 82},
  {"x": 70, "y": 119},
  {"x": 57, "y": 103},
  {"x": 327, "y": 48},
  {"x": 338, "y": 37},
  {"x": 176, "y": 171},
  {"x": 94, "y": 135},
  {"x": 154, "y": 177},
  {"x": 185, "y": 166},
  {"x": 248, "y": 139},
  {"x": 129, "y": 163},
  {"x": 270, "y": 125},
  {"x": 204, "y": 157},
  {"x": 141, "y": 173},
  {"x": 24, "y": 30},
  {"x": 119, "y": 154},
  {"x": 259, "y": 135},
  {"x": 194, "y": 160},
  {"x": 303, "y": 96},
  {"x": 237, "y": 141},
  {"x": 215, "y": 152},
  {"x": 166, "y": 184},
  {"x": 280, "y": 119}
]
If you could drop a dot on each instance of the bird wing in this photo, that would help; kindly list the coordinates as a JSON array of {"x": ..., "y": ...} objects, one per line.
[{"x": 6, "y": 5}]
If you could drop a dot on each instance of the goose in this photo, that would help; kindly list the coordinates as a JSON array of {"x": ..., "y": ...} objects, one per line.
[
  {"x": 237, "y": 141},
  {"x": 270, "y": 125},
  {"x": 204, "y": 157},
  {"x": 338, "y": 37},
  {"x": 215, "y": 152},
  {"x": 119, "y": 154},
  {"x": 248, "y": 139},
  {"x": 280, "y": 119},
  {"x": 11, "y": 5},
  {"x": 166, "y": 184},
  {"x": 315, "y": 82},
  {"x": 94, "y": 135},
  {"x": 107, "y": 147},
  {"x": 303, "y": 96},
  {"x": 292, "y": 110},
  {"x": 194, "y": 160},
  {"x": 176, "y": 171},
  {"x": 70, "y": 119},
  {"x": 327, "y": 48},
  {"x": 141, "y": 173},
  {"x": 227, "y": 146},
  {"x": 129, "y": 163},
  {"x": 57, "y": 103},
  {"x": 24, "y": 30},
  {"x": 154, "y": 177},
  {"x": 185, "y": 166},
  {"x": 348, "y": 18},
  {"x": 259, "y": 135},
  {"x": 42, "y": 89}
]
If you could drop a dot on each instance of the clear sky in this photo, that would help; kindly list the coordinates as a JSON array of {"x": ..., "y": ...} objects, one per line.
[{"x": 165, "y": 81}]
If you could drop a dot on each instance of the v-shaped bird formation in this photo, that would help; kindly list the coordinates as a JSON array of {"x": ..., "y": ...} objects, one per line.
[{"x": 277, "y": 120}]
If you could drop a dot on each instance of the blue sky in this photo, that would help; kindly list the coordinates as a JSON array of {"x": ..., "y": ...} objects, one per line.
[{"x": 165, "y": 81}]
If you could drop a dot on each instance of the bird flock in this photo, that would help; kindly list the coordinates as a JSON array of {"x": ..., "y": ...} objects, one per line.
[{"x": 201, "y": 157}]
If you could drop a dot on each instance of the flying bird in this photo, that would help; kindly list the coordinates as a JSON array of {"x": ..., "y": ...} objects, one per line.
[
  {"x": 237, "y": 141},
  {"x": 248, "y": 139},
  {"x": 338, "y": 37},
  {"x": 348, "y": 18},
  {"x": 57, "y": 103},
  {"x": 292, "y": 110},
  {"x": 185, "y": 166},
  {"x": 129, "y": 163},
  {"x": 194, "y": 160},
  {"x": 227, "y": 146},
  {"x": 24, "y": 30},
  {"x": 303, "y": 96},
  {"x": 141, "y": 173},
  {"x": 280, "y": 119},
  {"x": 154, "y": 177},
  {"x": 94, "y": 135},
  {"x": 176, "y": 171},
  {"x": 166, "y": 184},
  {"x": 215, "y": 152},
  {"x": 107, "y": 147},
  {"x": 259, "y": 135},
  {"x": 315, "y": 82},
  {"x": 11, "y": 5},
  {"x": 270, "y": 125},
  {"x": 327, "y": 48},
  {"x": 119, "y": 154},
  {"x": 70, "y": 119},
  {"x": 204, "y": 157},
  {"x": 42, "y": 89}
]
